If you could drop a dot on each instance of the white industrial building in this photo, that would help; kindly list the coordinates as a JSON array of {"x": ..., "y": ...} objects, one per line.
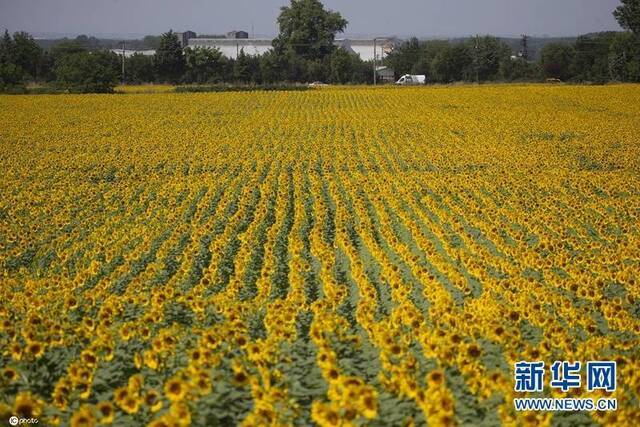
[
  {"x": 237, "y": 41},
  {"x": 129, "y": 52},
  {"x": 231, "y": 47}
]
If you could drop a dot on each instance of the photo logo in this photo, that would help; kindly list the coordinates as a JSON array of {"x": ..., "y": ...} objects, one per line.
[{"x": 565, "y": 375}]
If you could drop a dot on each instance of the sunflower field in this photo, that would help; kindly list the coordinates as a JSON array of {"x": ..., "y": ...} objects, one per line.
[{"x": 331, "y": 257}]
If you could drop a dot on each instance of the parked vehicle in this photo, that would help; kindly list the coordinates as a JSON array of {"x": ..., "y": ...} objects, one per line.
[{"x": 412, "y": 79}]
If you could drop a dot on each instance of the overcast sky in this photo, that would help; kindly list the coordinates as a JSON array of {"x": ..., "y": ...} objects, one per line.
[{"x": 366, "y": 17}]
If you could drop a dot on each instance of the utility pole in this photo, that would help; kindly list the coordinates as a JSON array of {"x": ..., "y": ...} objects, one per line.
[
  {"x": 524, "y": 46},
  {"x": 375, "y": 70},
  {"x": 123, "y": 52},
  {"x": 477, "y": 59}
]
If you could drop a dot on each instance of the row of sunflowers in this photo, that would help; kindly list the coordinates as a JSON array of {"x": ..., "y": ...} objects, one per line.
[{"x": 339, "y": 257}]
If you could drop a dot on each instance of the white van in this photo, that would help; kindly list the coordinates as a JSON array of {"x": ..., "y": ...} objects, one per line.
[{"x": 412, "y": 79}]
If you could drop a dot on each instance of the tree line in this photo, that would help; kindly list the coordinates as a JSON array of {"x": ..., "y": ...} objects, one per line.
[{"x": 304, "y": 51}]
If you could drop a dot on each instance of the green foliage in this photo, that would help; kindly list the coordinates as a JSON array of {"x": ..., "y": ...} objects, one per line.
[
  {"x": 203, "y": 65},
  {"x": 246, "y": 68},
  {"x": 26, "y": 53},
  {"x": 628, "y": 15},
  {"x": 557, "y": 59},
  {"x": 139, "y": 68},
  {"x": 86, "y": 72},
  {"x": 519, "y": 69},
  {"x": 18, "y": 61},
  {"x": 478, "y": 58},
  {"x": 450, "y": 63},
  {"x": 341, "y": 66},
  {"x": 307, "y": 29},
  {"x": 624, "y": 57},
  {"x": 487, "y": 53},
  {"x": 169, "y": 58},
  {"x": 591, "y": 59}
]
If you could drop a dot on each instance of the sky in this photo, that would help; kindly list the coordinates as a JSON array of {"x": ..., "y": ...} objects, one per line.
[{"x": 421, "y": 18}]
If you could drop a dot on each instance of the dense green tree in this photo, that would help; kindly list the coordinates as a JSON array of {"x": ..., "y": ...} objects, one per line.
[
  {"x": 10, "y": 76},
  {"x": 487, "y": 53},
  {"x": 87, "y": 71},
  {"x": 628, "y": 15},
  {"x": 591, "y": 58},
  {"x": 452, "y": 62},
  {"x": 46, "y": 65},
  {"x": 556, "y": 60},
  {"x": 341, "y": 66},
  {"x": 319, "y": 70},
  {"x": 241, "y": 70},
  {"x": 273, "y": 67},
  {"x": 404, "y": 58},
  {"x": 519, "y": 69},
  {"x": 65, "y": 49},
  {"x": 26, "y": 53},
  {"x": 203, "y": 65},
  {"x": 307, "y": 29},
  {"x": 169, "y": 58},
  {"x": 139, "y": 68},
  {"x": 88, "y": 42},
  {"x": 7, "y": 48},
  {"x": 246, "y": 68},
  {"x": 624, "y": 57}
]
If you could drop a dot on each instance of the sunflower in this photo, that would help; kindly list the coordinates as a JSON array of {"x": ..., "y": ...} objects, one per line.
[
  {"x": 9, "y": 375},
  {"x": 84, "y": 389},
  {"x": 120, "y": 395},
  {"x": 16, "y": 351},
  {"x": 89, "y": 358},
  {"x": 175, "y": 389},
  {"x": 202, "y": 383},
  {"x": 135, "y": 383},
  {"x": 130, "y": 404},
  {"x": 106, "y": 411},
  {"x": 27, "y": 406},
  {"x": 180, "y": 413},
  {"x": 160, "y": 422},
  {"x": 83, "y": 418},
  {"x": 151, "y": 360},
  {"x": 152, "y": 400},
  {"x": 35, "y": 349}
]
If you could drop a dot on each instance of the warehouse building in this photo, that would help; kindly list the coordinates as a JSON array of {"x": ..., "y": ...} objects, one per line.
[
  {"x": 237, "y": 41},
  {"x": 184, "y": 37}
]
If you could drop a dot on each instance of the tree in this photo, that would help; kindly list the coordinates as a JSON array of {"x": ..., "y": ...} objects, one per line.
[
  {"x": 307, "y": 29},
  {"x": 591, "y": 58},
  {"x": 7, "y": 49},
  {"x": 139, "y": 68},
  {"x": 403, "y": 59},
  {"x": 519, "y": 69},
  {"x": 169, "y": 58},
  {"x": 87, "y": 71},
  {"x": 26, "y": 53},
  {"x": 273, "y": 67},
  {"x": 487, "y": 53},
  {"x": 318, "y": 70},
  {"x": 556, "y": 60},
  {"x": 241, "y": 70},
  {"x": 624, "y": 57},
  {"x": 203, "y": 65},
  {"x": 452, "y": 62},
  {"x": 628, "y": 15},
  {"x": 341, "y": 66}
]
